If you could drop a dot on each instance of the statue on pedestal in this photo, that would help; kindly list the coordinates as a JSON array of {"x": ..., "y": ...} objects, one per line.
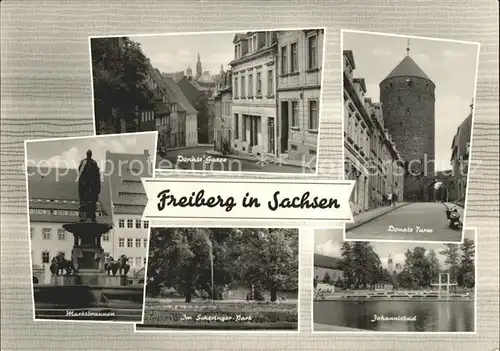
[{"x": 89, "y": 187}]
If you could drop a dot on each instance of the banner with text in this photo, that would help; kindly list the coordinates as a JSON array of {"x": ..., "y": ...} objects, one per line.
[{"x": 230, "y": 199}]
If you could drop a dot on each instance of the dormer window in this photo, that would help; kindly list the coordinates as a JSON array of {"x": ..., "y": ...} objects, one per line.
[
  {"x": 237, "y": 50},
  {"x": 269, "y": 38},
  {"x": 252, "y": 43}
]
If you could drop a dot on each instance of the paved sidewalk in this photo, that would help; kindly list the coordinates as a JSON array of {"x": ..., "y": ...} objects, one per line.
[
  {"x": 369, "y": 215},
  {"x": 269, "y": 159}
]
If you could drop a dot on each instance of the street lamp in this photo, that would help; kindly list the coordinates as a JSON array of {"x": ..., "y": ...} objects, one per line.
[{"x": 212, "y": 270}]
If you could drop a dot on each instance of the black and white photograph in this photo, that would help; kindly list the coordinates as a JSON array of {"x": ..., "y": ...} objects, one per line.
[
  {"x": 231, "y": 279},
  {"x": 88, "y": 241},
  {"x": 393, "y": 287},
  {"x": 407, "y": 121},
  {"x": 220, "y": 101}
]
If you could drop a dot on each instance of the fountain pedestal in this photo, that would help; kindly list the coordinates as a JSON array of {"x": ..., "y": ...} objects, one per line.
[{"x": 88, "y": 255}]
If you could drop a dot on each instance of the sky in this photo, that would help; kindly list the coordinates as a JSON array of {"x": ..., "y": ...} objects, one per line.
[
  {"x": 173, "y": 53},
  {"x": 451, "y": 66},
  {"x": 68, "y": 152},
  {"x": 329, "y": 241}
]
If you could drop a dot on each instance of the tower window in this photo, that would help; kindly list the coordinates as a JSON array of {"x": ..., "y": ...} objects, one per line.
[
  {"x": 399, "y": 99},
  {"x": 409, "y": 82},
  {"x": 390, "y": 85}
]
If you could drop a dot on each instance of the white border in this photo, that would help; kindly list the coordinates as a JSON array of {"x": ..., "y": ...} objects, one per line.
[
  {"x": 411, "y": 333},
  {"x": 472, "y": 122},
  {"x": 228, "y": 332},
  {"x": 28, "y": 222},
  {"x": 160, "y": 171}
]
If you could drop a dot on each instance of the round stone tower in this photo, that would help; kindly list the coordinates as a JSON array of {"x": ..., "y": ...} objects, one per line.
[{"x": 408, "y": 104}]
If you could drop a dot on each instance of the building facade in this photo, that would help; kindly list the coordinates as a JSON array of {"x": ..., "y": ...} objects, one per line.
[
  {"x": 298, "y": 91},
  {"x": 358, "y": 131},
  {"x": 372, "y": 159},
  {"x": 254, "y": 94},
  {"x": 460, "y": 158},
  {"x": 223, "y": 124},
  {"x": 130, "y": 233},
  {"x": 407, "y": 96},
  {"x": 53, "y": 201}
]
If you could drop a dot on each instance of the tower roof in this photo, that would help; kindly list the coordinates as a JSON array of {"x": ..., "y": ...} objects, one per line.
[{"x": 407, "y": 67}]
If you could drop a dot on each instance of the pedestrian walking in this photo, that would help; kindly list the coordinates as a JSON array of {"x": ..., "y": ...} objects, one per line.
[
  {"x": 394, "y": 199},
  {"x": 389, "y": 199}
]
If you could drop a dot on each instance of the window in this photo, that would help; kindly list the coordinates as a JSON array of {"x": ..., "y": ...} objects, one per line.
[
  {"x": 121, "y": 223},
  {"x": 121, "y": 242},
  {"x": 243, "y": 82},
  {"x": 47, "y": 233},
  {"x": 32, "y": 230},
  {"x": 138, "y": 223},
  {"x": 145, "y": 225},
  {"x": 284, "y": 60},
  {"x": 270, "y": 85},
  {"x": 250, "y": 85},
  {"x": 295, "y": 58},
  {"x": 144, "y": 260},
  {"x": 130, "y": 242},
  {"x": 295, "y": 113},
  {"x": 236, "y": 87},
  {"x": 409, "y": 82},
  {"x": 313, "y": 115},
  {"x": 138, "y": 261},
  {"x": 252, "y": 44},
  {"x": 312, "y": 46},
  {"x": 137, "y": 242},
  {"x": 236, "y": 126},
  {"x": 130, "y": 223},
  {"x": 45, "y": 257},
  {"x": 259, "y": 84},
  {"x": 61, "y": 234},
  {"x": 269, "y": 38},
  {"x": 145, "y": 242},
  {"x": 105, "y": 237}
]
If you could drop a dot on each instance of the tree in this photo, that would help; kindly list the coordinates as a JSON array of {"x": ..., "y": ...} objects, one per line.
[
  {"x": 452, "y": 259},
  {"x": 119, "y": 69},
  {"x": 181, "y": 258},
  {"x": 466, "y": 272},
  {"x": 434, "y": 265},
  {"x": 326, "y": 278},
  {"x": 268, "y": 259},
  {"x": 361, "y": 265}
]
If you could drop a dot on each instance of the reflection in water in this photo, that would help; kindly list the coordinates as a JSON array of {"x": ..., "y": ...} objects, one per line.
[{"x": 432, "y": 316}]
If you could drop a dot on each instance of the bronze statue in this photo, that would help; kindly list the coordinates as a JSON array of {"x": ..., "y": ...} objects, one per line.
[{"x": 89, "y": 187}]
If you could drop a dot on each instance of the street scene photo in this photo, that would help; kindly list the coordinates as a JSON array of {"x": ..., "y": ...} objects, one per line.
[
  {"x": 393, "y": 287},
  {"x": 87, "y": 237},
  {"x": 222, "y": 278},
  {"x": 220, "y": 101},
  {"x": 407, "y": 120}
]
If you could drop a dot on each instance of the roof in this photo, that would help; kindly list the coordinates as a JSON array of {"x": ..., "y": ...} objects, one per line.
[
  {"x": 326, "y": 261},
  {"x": 350, "y": 57},
  {"x": 182, "y": 100},
  {"x": 407, "y": 68},
  {"x": 51, "y": 188},
  {"x": 189, "y": 90},
  {"x": 126, "y": 170},
  {"x": 238, "y": 37}
]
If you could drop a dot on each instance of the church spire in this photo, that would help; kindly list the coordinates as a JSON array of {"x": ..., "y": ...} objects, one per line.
[
  {"x": 408, "y": 48},
  {"x": 198, "y": 67}
]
